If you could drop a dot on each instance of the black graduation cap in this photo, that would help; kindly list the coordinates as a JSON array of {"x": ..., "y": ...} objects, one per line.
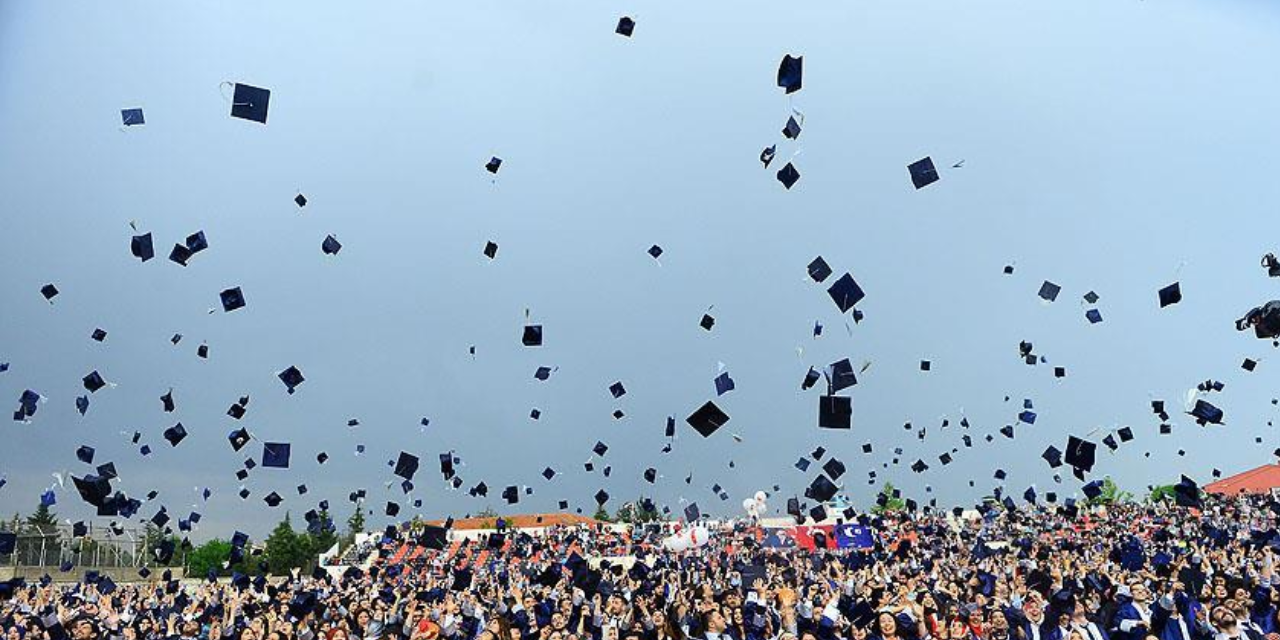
[
  {"x": 600, "y": 449},
  {"x": 107, "y": 470},
  {"x": 406, "y": 465},
  {"x": 945, "y": 459},
  {"x": 819, "y": 270},
  {"x": 491, "y": 250},
  {"x": 493, "y": 165},
  {"x": 175, "y": 434},
  {"x": 85, "y": 454},
  {"x": 1111, "y": 443},
  {"x": 330, "y": 246},
  {"x": 291, "y": 378},
  {"x": 48, "y": 291},
  {"x": 1186, "y": 493},
  {"x": 835, "y": 412},
  {"x": 691, "y": 512},
  {"x": 300, "y": 200},
  {"x": 655, "y": 251},
  {"x": 433, "y": 537},
  {"x": 1093, "y": 316},
  {"x": 141, "y": 247},
  {"x": 602, "y": 497},
  {"x": 392, "y": 509},
  {"x": 919, "y": 466},
  {"x": 1204, "y": 412},
  {"x": 791, "y": 73},
  {"x": 707, "y": 419},
  {"x": 1081, "y": 453},
  {"x": 511, "y": 494},
  {"x": 132, "y": 117},
  {"x": 792, "y": 130},
  {"x": 925, "y": 365},
  {"x": 811, "y": 377},
  {"x": 821, "y": 489},
  {"x": 197, "y": 242},
  {"x": 1049, "y": 291},
  {"x": 788, "y": 175},
  {"x": 238, "y": 438},
  {"x": 923, "y": 172},
  {"x": 93, "y": 489},
  {"x": 803, "y": 464},
  {"x": 766, "y": 156},
  {"x": 1125, "y": 433},
  {"x": 834, "y": 468},
  {"x": 276, "y": 454},
  {"x": 1249, "y": 364},
  {"x": 94, "y": 381},
  {"x": 625, "y": 26},
  {"x": 707, "y": 321},
  {"x": 250, "y": 103},
  {"x": 532, "y": 336},
  {"x": 724, "y": 384},
  {"x": 180, "y": 254},
  {"x": 1059, "y": 372},
  {"x": 842, "y": 375},
  {"x": 1171, "y": 294},
  {"x": 273, "y": 499},
  {"x": 1093, "y": 489},
  {"x": 846, "y": 293},
  {"x": 232, "y": 299}
]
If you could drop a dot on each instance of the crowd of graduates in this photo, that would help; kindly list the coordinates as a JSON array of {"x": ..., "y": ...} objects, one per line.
[{"x": 1157, "y": 571}]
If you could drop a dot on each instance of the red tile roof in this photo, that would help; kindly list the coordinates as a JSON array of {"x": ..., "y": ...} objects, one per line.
[
  {"x": 1260, "y": 480},
  {"x": 519, "y": 522}
]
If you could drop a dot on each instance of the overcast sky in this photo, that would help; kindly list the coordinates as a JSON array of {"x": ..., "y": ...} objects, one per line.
[{"x": 1113, "y": 146}]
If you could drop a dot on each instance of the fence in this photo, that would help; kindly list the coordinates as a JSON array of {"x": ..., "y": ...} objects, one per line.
[{"x": 52, "y": 546}]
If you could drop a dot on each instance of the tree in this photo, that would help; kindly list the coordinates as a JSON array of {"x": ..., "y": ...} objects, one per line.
[
  {"x": 286, "y": 550},
  {"x": 1161, "y": 493},
  {"x": 43, "y": 521},
  {"x": 887, "y": 503},
  {"x": 355, "y": 524},
  {"x": 322, "y": 534},
  {"x": 1111, "y": 494},
  {"x": 602, "y": 514},
  {"x": 209, "y": 556},
  {"x": 635, "y": 513}
]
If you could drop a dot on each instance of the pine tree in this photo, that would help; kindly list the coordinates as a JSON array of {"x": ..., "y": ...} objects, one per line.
[
  {"x": 43, "y": 520},
  {"x": 355, "y": 524}
]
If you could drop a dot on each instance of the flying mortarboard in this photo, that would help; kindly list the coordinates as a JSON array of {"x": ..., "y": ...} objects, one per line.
[
  {"x": 175, "y": 434},
  {"x": 85, "y": 454},
  {"x": 625, "y": 26},
  {"x": 132, "y": 117},
  {"x": 788, "y": 175},
  {"x": 835, "y": 412},
  {"x": 922, "y": 172},
  {"x": 491, "y": 250},
  {"x": 406, "y": 465},
  {"x": 1049, "y": 291},
  {"x": 724, "y": 384},
  {"x": 818, "y": 269},
  {"x": 532, "y": 336},
  {"x": 291, "y": 378},
  {"x": 330, "y": 246},
  {"x": 1171, "y": 294},
  {"x": 232, "y": 299},
  {"x": 766, "y": 156},
  {"x": 846, "y": 293},
  {"x": 493, "y": 165},
  {"x": 1093, "y": 316},
  {"x": 707, "y": 419},
  {"x": 250, "y": 103},
  {"x": 141, "y": 247},
  {"x": 1081, "y": 453},
  {"x": 276, "y": 454},
  {"x": 791, "y": 73},
  {"x": 1206, "y": 413},
  {"x": 792, "y": 130}
]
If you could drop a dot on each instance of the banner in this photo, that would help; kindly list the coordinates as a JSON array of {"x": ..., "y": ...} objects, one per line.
[{"x": 812, "y": 537}]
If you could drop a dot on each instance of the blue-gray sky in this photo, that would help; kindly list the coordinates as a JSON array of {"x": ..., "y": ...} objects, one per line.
[{"x": 1108, "y": 146}]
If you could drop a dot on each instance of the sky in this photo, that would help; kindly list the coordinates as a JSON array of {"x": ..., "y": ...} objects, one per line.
[{"x": 1107, "y": 146}]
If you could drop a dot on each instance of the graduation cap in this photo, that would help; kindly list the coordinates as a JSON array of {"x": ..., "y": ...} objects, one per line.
[
  {"x": 511, "y": 494},
  {"x": 232, "y": 299},
  {"x": 433, "y": 537},
  {"x": 792, "y": 130},
  {"x": 276, "y": 455},
  {"x": 602, "y": 497},
  {"x": 330, "y": 246},
  {"x": 93, "y": 489},
  {"x": 1186, "y": 493},
  {"x": 1171, "y": 294},
  {"x": 1081, "y": 453},
  {"x": 1093, "y": 489},
  {"x": 250, "y": 103},
  {"x": 802, "y": 464},
  {"x": 141, "y": 247},
  {"x": 707, "y": 419},
  {"x": 846, "y": 293},
  {"x": 1059, "y": 372},
  {"x": 834, "y": 468},
  {"x": 291, "y": 378},
  {"x": 1049, "y": 291},
  {"x": 724, "y": 384},
  {"x": 842, "y": 375},
  {"x": 196, "y": 243},
  {"x": 1205, "y": 412},
  {"x": 93, "y": 382},
  {"x": 766, "y": 156},
  {"x": 406, "y": 465},
  {"x": 655, "y": 251},
  {"x": 650, "y": 475},
  {"x": 919, "y": 466},
  {"x": 85, "y": 454},
  {"x": 945, "y": 459},
  {"x": 691, "y": 512},
  {"x": 392, "y": 509},
  {"x": 811, "y": 377},
  {"x": 300, "y": 200},
  {"x": 1249, "y": 364},
  {"x": 821, "y": 489},
  {"x": 788, "y": 175},
  {"x": 707, "y": 322},
  {"x": 818, "y": 269},
  {"x": 132, "y": 117},
  {"x": 922, "y": 172},
  {"x": 82, "y": 404},
  {"x": 48, "y": 291},
  {"x": 625, "y": 26},
  {"x": 532, "y": 336},
  {"x": 238, "y": 439},
  {"x": 1093, "y": 315},
  {"x": 600, "y": 449},
  {"x": 542, "y": 373},
  {"x": 175, "y": 434},
  {"x": 107, "y": 470},
  {"x": 835, "y": 412},
  {"x": 791, "y": 73},
  {"x": 493, "y": 165}
]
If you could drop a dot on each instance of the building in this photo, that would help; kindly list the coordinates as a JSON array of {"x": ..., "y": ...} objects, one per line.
[{"x": 1261, "y": 480}]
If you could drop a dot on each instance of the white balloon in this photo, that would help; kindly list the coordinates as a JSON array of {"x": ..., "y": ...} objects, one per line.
[
  {"x": 699, "y": 536},
  {"x": 761, "y": 497},
  {"x": 748, "y": 504},
  {"x": 676, "y": 543}
]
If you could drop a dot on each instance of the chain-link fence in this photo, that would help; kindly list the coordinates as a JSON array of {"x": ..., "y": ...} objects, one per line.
[{"x": 55, "y": 546}]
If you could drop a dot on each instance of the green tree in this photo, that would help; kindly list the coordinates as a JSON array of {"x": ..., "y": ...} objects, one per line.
[
  {"x": 286, "y": 550},
  {"x": 1161, "y": 493},
  {"x": 210, "y": 555},
  {"x": 889, "y": 503},
  {"x": 42, "y": 521},
  {"x": 1111, "y": 494},
  {"x": 322, "y": 537},
  {"x": 602, "y": 514},
  {"x": 355, "y": 524},
  {"x": 635, "y": 513}
]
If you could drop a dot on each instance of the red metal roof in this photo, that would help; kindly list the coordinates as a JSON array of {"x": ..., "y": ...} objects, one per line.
[
  {"x": 1260, "y": 480},
  {"x": 523, "y": 521}
]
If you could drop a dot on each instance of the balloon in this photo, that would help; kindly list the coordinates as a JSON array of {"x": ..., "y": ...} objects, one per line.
[
  {"x": 761, "y": 497},
  {"x": 748, "y": 504},
  {"x": 699, "y": 536},
  {"x": 676, "y": 543}
]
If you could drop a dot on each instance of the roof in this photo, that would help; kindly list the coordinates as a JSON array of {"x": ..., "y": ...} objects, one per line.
[
  {"x": 523, "y": 521},
  {"x": 1259, "y": 480}
]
